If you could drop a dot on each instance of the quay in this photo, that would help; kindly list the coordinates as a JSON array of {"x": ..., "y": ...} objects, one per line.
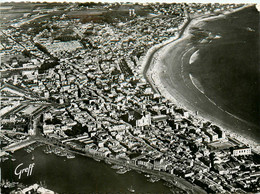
[{"x": 18, "y": 145}]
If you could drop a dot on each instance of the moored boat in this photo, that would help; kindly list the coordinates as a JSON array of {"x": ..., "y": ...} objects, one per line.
[
  {"x": 122, "y": 171},
  {"x": 96, "y": 159},
  {"x": 117, "y": 167},
  {"x": 131, "y": 189},
  {"x": 70, "y": 156},
  {"x": 153, "y": 179},
  {"x": 167, "y": 184}
]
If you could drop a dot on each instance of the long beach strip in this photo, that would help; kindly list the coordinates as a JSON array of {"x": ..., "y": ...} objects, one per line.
[{"x": 153, "y": 66}]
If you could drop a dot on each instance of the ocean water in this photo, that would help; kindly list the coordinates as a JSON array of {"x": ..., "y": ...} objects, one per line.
[{"x": 228, "y": 67}]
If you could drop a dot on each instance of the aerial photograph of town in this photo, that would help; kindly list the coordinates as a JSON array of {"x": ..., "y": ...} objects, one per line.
[{"x": 129, "y": 97}]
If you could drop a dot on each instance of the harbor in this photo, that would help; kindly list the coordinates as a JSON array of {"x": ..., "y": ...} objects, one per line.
[
  {"x": 51, "y": 168},
  {"x": 100, "y": 127}
]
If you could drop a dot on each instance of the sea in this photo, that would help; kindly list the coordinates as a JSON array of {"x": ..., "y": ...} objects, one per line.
[
  {"x": 228, "y": 70},
  {"x": 227, "y": 67}
]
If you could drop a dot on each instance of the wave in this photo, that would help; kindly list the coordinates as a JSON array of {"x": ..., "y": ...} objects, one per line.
[
  {"x": 197, "y": 84},
  {"x": 194, "y": 57},
  {"x": 200, "y": 88}
]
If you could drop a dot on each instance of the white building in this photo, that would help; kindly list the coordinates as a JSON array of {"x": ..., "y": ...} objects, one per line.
[
  {"x": 144, "y": 121},
  {"x": 241, "y": 151},
  {"x": 48, "y": 129}
]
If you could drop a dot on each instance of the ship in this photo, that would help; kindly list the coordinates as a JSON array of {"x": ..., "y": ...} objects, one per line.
[
  {"x": 58, "y": 153},
  {"x": 70, "y": 156},
  {"x": 4, "y": 159},
  {"x": 106, "y": 161},
  {"x": 250, "y": 29},
  {"x": 153, "y": 179},
  {"x": 122, "y": 171},
  {"x": 117, "y": 167},
  {"x": 47, "y": 150},
  {"x": 131, "y": 189},
  {"x": 96, "y": 159}
]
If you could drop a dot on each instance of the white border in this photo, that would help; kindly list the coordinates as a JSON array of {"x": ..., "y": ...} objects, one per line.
[{"x": 144, "y": 1}]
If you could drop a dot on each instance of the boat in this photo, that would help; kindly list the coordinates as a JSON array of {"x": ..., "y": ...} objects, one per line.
[
  {"x": 96, "y": 159},
  {"x": 167, "y": 184},
  {"x": 56, "y": 151},
  {"x": 106, "y": 161},
  {"x": 63, "y": 153},
  {"x": 153, "y": 179},
  {"x": 30, "y": 149},
  {"x": 122, "y": 171},
  {"x": 13, "y": 159},
  {"x": 4, "y": 159},
  {"x": 46, "y": 151},
  {"x": 147, "y": 175},
  {"x": 250, "y": 29},
  {"x": 32, "y": 157},
  {"x": 70, "y": 156},
  {"x": 58, "y": 154},
  {"x": 131, "y": 189},
  {"x": 117, "y": 167}
]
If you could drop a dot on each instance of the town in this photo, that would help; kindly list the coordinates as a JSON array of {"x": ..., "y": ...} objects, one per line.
[{"x": 71, "y": 77}]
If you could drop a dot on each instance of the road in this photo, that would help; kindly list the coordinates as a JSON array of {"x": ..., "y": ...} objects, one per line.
[{"x": 19, "y": 69}]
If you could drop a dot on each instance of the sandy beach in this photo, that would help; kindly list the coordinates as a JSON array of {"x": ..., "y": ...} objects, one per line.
[{"x": 166, "y": 74}]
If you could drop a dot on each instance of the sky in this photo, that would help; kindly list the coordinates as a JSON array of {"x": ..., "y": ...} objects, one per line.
[{"x": 145, "y": 1}]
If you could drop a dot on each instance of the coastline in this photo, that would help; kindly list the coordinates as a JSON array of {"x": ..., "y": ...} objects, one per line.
[
  {"x": 153, "y": 70},
  {"x": 176, "y": 181},
  {"x": 89, "y": 134}
]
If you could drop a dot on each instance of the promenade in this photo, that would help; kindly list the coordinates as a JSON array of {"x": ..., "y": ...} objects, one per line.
[
  {"x": 173, "y": 179},
  {"x": 166, "y": 70}
]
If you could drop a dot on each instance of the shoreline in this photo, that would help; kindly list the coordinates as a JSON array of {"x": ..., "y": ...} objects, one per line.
[
  {"x": 152, "y": 68},
  {"x": 176, "y": 181}
]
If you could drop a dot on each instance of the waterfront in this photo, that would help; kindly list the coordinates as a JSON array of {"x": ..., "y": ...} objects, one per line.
[
  {"x": 227, "y": 67},
  {"x": 78, "y": 175},
  {"x": 176, "y": 81},
  {"x": 102, "y": 110}
]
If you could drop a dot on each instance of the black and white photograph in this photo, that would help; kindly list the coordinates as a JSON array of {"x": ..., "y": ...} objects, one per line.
[{"x": 117, "y": 97}]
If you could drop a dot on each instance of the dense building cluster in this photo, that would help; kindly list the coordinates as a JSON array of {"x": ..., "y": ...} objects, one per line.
[{"x": 77, "y": 81}]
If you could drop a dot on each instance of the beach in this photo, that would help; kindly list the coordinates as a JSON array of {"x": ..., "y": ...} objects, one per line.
[{"x": 167, "y": 73}]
